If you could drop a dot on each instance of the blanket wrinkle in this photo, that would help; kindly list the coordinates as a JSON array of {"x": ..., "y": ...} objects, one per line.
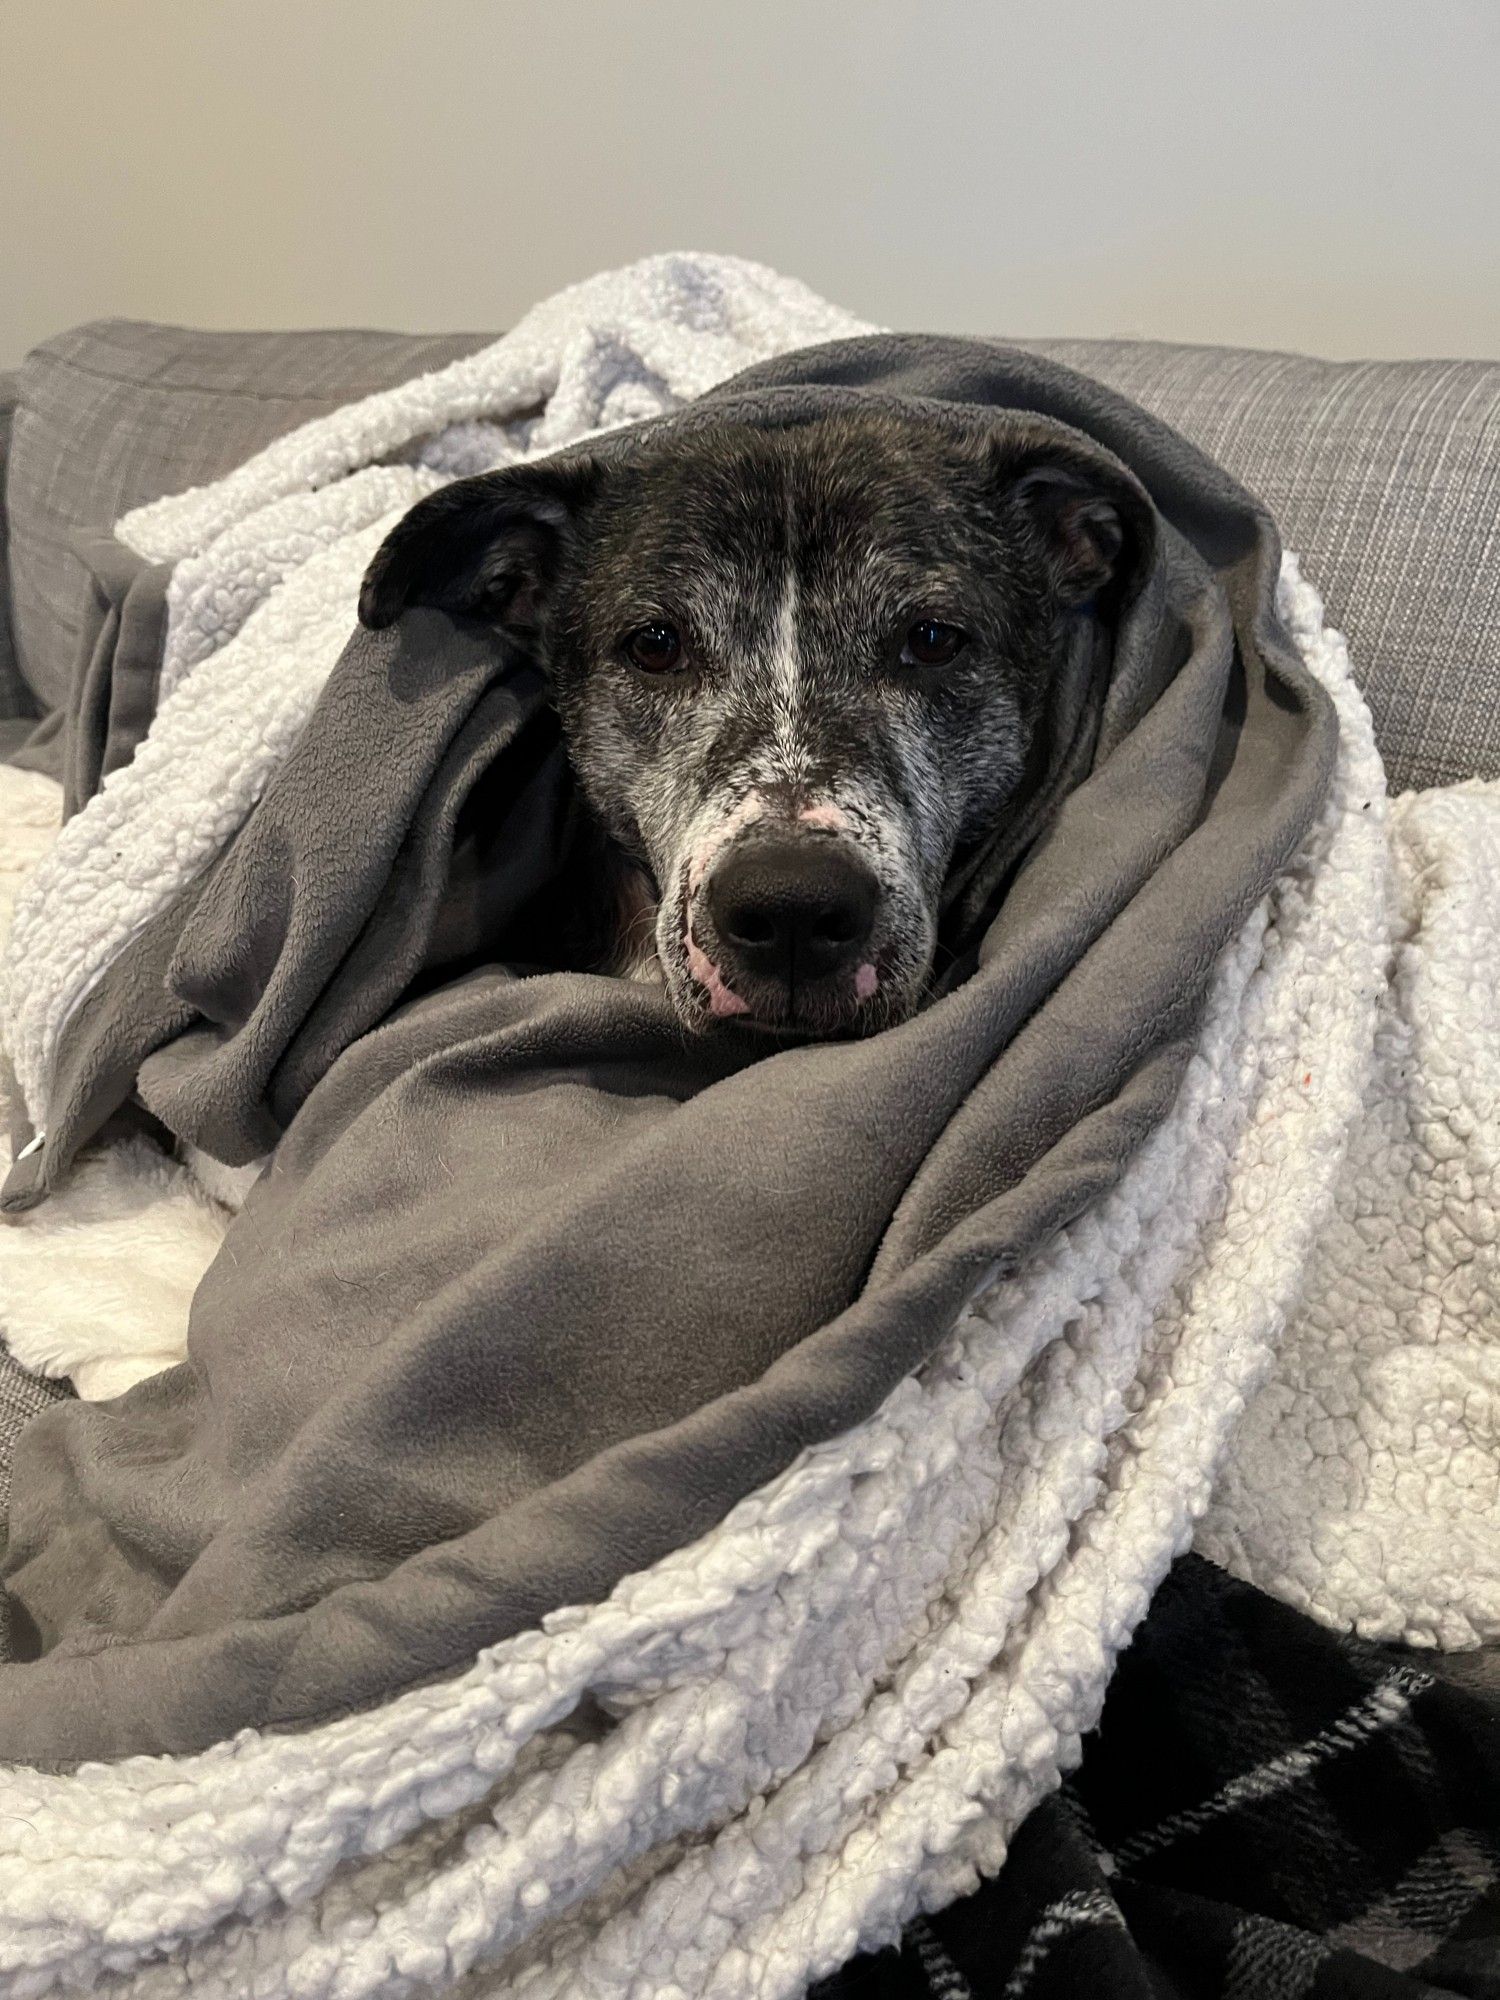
[
  {"x": 761, "y": 1677},
  {"x": 432, "y": 1750}
]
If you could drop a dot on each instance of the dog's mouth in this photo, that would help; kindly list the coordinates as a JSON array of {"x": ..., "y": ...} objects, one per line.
[
  {"x": 821, "y": 1008},
  {"x": 719, "y": 986}
]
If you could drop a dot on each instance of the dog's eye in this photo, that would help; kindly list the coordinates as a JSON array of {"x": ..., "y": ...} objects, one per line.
[
  {"x": 930, "y": 643},
  {"x": 655, "y": 648}
]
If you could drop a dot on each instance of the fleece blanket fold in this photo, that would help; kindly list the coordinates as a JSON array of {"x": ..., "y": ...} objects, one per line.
[
  {"x": 644, "y": 1517},
  {"x": 562, "y": 1818},
  {"x": 503, "y": 1322}
]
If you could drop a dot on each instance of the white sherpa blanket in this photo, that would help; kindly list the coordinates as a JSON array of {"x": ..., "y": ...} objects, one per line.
[
  {"x": 773, "y": 1796},
  {"x": 1279, "y": 1330}
]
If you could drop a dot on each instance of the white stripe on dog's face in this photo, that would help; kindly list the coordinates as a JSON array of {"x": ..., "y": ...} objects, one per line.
[
  {"x": 791, "y": 565},
  {"x": 787, "y": 672}
]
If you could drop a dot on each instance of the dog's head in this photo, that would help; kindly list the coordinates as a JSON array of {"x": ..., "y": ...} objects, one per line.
[{"x": 798, "y": 671}]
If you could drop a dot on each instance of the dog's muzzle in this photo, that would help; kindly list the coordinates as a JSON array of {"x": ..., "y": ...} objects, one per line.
[{"x": 781, "y": 930}]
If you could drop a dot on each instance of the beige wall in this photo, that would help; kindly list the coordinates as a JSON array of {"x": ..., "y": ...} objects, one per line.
[{"x": 1323, "y": 175}]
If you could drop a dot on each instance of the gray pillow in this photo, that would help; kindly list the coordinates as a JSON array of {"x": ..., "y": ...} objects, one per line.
[{"x": 100, "y": 420}]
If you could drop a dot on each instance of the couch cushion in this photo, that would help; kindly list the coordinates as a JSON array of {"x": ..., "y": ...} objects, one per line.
[
  {"x": 1385, "y": 478},
  {"x": 116, "y": 413}
]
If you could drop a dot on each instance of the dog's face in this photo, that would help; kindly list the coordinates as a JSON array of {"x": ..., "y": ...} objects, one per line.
[{"x": 797, "y": 670}]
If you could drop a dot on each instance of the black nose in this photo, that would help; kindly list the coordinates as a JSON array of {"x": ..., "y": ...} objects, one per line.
[{"x": 792, "y": 909}]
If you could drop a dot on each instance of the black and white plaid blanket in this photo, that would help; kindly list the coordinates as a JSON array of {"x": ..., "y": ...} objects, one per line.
[{"x": 1266, "y": 1812}]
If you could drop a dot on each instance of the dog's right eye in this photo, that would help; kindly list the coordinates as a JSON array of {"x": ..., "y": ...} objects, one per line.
[
  {"x": 655, "y": 648},
  {"x": 931, "y": 643}
]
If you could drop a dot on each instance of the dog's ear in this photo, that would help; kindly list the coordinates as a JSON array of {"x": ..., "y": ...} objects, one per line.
[
  {"x": 1092, "y": 520},
  {"x": 487, "y": 546}
]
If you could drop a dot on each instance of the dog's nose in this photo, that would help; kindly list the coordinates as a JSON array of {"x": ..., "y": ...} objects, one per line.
[{"x": 793, "y": 909}]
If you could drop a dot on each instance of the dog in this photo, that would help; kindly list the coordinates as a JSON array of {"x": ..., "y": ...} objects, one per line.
[{"x": 799, "y": 670}]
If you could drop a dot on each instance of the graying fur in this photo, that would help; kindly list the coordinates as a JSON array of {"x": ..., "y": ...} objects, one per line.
[{"x": 792, "y": 562}]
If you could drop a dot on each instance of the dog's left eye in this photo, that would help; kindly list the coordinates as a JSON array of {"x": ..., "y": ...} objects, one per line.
[
  {"x": 655, "y": 648},
  {"x": 930, "y": 643}
]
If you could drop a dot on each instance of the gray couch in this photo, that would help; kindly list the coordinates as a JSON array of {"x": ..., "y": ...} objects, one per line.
[{"x": 1385, "y": 477}]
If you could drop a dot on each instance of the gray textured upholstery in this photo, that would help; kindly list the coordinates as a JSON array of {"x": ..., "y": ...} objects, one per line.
[
  {"x": 22, "y": 1394},
  {"x": 1385, "y": 478},
  {"x": 16, "y": 700},
  {"x": 117, "y": 413}
]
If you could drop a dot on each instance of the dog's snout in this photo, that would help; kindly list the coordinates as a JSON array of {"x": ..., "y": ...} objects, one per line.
[{"x": 793, "y": 910}]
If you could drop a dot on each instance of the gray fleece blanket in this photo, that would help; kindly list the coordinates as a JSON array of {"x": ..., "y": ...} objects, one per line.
[{"x": 534, "y": 1290}]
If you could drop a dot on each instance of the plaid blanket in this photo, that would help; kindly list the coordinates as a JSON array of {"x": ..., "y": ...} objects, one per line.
[{"x": 1266, "y": 1812}]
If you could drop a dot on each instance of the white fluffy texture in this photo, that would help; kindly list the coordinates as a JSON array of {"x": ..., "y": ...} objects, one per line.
[
  {"x": 1364, "y": 1484},
  {"x": 267, "y": 568},
  {"x": 835, "y": 1709},
  {"x": 97, "y": 1284}
]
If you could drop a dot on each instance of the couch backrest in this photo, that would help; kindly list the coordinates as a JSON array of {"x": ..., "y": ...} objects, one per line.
[
  {"x": 1385, "y": 477},
  {"x": 116, "y": 413}
]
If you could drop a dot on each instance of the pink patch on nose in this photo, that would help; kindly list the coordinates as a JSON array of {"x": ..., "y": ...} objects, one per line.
[
  {"x": 865, "y": 981},
  {"x": 720, "y": 1000},
  {"x": 825, "y": 815}
]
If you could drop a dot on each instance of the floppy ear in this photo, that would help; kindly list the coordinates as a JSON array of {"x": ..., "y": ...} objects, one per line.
[
  {"x": 486, "y": 546},
  {"x": 1091, "y": 521}
]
